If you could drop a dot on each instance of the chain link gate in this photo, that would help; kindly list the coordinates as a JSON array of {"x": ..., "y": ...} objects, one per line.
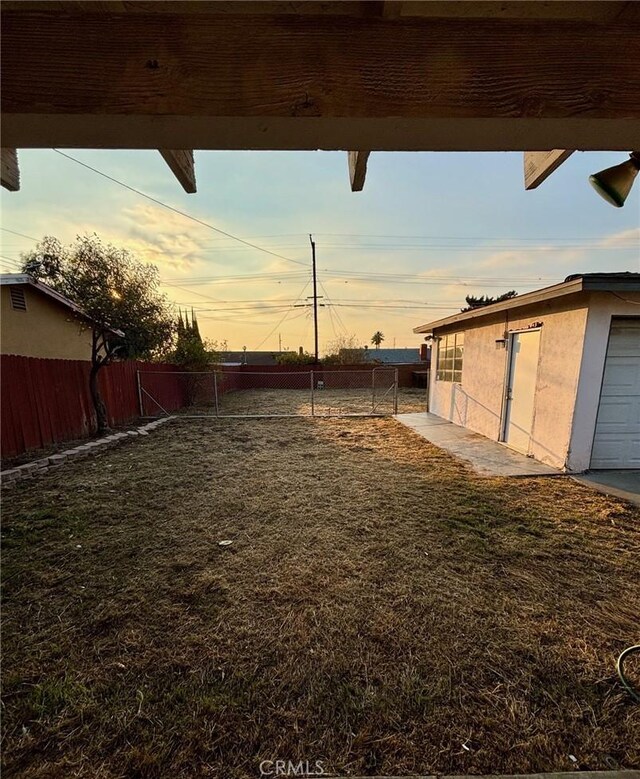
[{"x": 229, "y": 393}]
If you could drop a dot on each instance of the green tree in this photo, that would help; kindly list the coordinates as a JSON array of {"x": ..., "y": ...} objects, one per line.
[
  {"x": 377, "y": 338},
  {"x": 196, "y": 357},
  {"x": 294, "y": 358},
  {"x": 116, "y": 291},
  {"x": 192, "y": 352},
  {"x": 485, "y": 300}
]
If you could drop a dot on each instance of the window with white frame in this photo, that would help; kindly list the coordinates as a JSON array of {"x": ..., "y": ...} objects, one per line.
[{"x": 450, "y": 352}]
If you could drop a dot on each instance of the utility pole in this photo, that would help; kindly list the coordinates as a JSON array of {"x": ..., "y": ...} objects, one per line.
[{"x": 315, "y": 297}]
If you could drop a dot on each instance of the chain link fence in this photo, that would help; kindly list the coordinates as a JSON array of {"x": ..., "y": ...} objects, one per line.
[{"x": 316, "y": 392}]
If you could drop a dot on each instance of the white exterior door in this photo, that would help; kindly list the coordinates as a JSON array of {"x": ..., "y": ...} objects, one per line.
[
  {"x": 616, "y": 443},
  {"x": 521, "y": 389}
]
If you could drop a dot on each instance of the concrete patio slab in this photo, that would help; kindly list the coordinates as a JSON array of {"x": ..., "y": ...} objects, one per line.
[
  {"x": 487, "y": 458},
  {"x": 623, "y": 484}
]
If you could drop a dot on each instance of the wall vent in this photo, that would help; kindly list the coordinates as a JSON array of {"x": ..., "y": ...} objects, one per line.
[{"x": 18, "y": 301}]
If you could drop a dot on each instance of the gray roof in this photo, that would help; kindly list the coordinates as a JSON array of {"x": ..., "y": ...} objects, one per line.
[
  {"x": 249, "y": 358},
  {"x": 399, "y": 356}
]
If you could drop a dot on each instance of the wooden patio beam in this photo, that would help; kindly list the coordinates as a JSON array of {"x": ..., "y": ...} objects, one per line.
[
  {"x": 182, "y": 165},
  {"x": 9, "y": 169},
  {"x": 539, "y": 165},
  {"x": 297, "y": 82}
]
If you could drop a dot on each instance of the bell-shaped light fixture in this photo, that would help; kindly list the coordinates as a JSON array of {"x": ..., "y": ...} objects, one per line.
[{"x": 614, "y": 184}]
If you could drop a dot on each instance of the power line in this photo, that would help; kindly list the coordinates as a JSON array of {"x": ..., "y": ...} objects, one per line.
[
  {"x": 382, "y": 306},
  {"x": 356, "y": 301},
  {"x": 253, "y": 311},
  {"x": 201, "y": 280},
  {"x": 338, "y": 317},
  {"x": 178, "y": 211},
  {"x": 441, "y": 237},
  {"x": 194, "y": 281},
  {"x": 8, "y": 260},
  {"x": 466, "y": 249},
  {"x": 391, "y": 278},
  {"x": 267, "y": 235},
  {"x": 306, "y": 329},
  {"x": 333, "y": 324},
  {"x": 22, "y": 235},
  {"x": 250, "y": 301},
  {"x": 348, "y": 272},
  {"x": 439, "y": 276},
  {"x": 394, "y": 248},
  {"x": 280, "y": 321}
]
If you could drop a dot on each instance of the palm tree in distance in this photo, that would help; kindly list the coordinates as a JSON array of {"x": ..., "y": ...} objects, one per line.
[{"x": 377, "y": 338}]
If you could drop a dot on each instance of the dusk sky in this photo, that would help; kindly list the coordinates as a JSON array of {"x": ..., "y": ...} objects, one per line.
[{"x": 427, "y": 230}]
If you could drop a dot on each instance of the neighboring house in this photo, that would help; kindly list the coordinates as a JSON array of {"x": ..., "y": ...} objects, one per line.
[
  {"x": 37, "y": 321},
  {"x": 554, "y": 374},
  {"x": 394, "y": 356}
]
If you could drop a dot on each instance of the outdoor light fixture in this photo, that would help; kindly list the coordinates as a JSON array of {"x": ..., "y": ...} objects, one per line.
[{"x": 614, "y": 184}]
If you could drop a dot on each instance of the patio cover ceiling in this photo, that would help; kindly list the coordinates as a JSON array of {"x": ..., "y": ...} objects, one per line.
[{"x": 367, "y": 76}]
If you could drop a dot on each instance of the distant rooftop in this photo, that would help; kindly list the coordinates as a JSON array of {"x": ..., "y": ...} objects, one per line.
[
  {"x": 249, "y": 358},
  {"x": 399, "y": 356}
]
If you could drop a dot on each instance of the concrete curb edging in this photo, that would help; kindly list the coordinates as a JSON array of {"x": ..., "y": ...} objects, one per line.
[
  {"x": 12, "y": 476},
  {"x": 620, "y": 774},
  {"x": 607, "y": 489}
]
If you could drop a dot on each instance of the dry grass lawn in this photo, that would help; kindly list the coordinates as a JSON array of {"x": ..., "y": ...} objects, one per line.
[{"x": 380, "y": 608}]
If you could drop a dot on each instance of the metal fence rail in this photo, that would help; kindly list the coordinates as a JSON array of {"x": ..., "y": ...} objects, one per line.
[{"x": 316, "y": 392}]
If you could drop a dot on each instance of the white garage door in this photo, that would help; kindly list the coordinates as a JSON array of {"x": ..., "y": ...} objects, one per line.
[{"x": 617, "y": 440}]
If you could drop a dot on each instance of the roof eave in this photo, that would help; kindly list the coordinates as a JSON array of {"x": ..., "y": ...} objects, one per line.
[
  {"x": 538, "y": 296},
  {"x": 24, "y": 278}
]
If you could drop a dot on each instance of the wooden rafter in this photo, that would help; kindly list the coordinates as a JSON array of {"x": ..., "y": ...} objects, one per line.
[
  {"x": 392, "y": 9},
  {"x": 358, "y": 169},
  {"x": 181, "y": 163},
  {"x": 9, "y": 170},
  {"x": 538, "y": 165}
]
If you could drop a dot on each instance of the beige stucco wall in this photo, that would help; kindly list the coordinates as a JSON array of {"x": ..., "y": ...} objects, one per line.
[
  {"x": 477, "y": 403},
  {"x": 45, "y": 329}
]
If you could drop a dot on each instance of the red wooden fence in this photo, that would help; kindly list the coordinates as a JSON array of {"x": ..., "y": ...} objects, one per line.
[{"x": 48, "y": 401}]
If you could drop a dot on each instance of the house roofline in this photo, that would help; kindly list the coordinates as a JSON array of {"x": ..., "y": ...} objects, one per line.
[
  {"x": 15, "y": 279},
  {"x": 594, "y": 282}
]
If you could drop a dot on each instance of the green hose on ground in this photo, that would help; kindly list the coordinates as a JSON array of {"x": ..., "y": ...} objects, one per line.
[{"x": 620, "y": 668}]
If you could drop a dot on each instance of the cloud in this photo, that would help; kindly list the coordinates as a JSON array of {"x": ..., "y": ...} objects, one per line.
[
  {"x": 528, "y": 258},
  {"x": 164, "y": 238},
  {"x": 152, "y": 234},
  {"x": 623, "y": 238}
]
